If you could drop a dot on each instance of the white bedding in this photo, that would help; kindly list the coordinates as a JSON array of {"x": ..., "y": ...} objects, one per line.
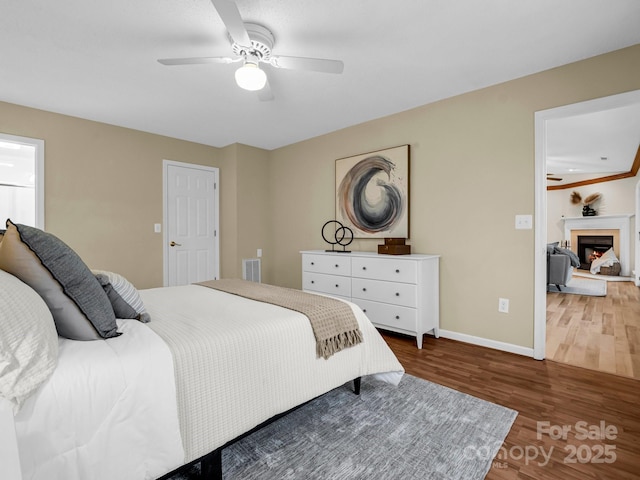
[
  {"x": 262, "y": 358},
  {"x": 135, "y": 407},
  {"x": 108, "y": 412}
]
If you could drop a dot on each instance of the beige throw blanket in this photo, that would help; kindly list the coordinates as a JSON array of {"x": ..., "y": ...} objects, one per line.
[{"x": 333, "y": 322}]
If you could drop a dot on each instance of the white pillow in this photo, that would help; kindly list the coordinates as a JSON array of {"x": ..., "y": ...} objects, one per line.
[
  {"x": 607, "y": 259},
  {"x": 28, "y": 340}
]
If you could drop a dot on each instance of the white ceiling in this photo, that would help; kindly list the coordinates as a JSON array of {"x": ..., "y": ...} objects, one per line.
[
  {"x": 97, "y": 59},
  {"x": 594, "y": 144}
]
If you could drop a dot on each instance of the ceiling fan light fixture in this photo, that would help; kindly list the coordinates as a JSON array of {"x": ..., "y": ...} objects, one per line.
[{"x": 250, "y": 77}]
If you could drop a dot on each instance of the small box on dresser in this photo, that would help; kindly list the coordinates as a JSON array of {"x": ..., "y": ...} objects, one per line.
[{"x": 397, "y": 293}]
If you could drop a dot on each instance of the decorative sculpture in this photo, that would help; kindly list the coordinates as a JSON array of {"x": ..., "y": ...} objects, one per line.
[
  {"x": 342, "y": 235},
  {"x": 587, "y": 209}
]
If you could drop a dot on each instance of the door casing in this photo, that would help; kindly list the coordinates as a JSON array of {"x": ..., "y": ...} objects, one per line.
[{"x": 540, "y": 257}]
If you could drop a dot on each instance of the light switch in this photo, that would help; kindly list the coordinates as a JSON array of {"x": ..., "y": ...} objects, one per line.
[
  {"x": 524, "y": 222},
  {"x": 157, "y": 227},
  {"x": 503, "y": 305}
]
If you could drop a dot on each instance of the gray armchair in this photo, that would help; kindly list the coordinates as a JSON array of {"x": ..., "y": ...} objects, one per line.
[
  {"x": 560, "y": 263},
  {"x": 559, "y": 269}
]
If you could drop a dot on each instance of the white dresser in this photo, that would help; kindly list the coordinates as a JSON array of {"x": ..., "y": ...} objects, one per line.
[{"x": 397, "y": 292}]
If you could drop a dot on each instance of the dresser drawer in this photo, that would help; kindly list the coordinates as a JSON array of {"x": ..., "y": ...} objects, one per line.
[
  {"x": 386, "y": 315},
  {"x": 329, "y": 264},
  {"x": 388, "y": 292},
  {"x": 331, "y": 284},
  {"x": 388, "y": 269}
]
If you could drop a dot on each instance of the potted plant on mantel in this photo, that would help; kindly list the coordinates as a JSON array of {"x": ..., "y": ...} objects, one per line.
[{"x": 587, "y": 209}]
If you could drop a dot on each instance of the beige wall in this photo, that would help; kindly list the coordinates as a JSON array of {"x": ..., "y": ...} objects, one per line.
[
  {"x": 472, "y": 171},
  {"x": 103, "y": 192},
  {"x": 229, "y": 213},
  {"x": 245, "y": 221},
  {"x": 103, "y": 187}
]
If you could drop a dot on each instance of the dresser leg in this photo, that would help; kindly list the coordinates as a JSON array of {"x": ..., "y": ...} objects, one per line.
[{"x": 419, "y": 338}]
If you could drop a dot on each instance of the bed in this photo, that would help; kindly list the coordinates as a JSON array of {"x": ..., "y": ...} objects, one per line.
[{"x": 208, "y": 367}]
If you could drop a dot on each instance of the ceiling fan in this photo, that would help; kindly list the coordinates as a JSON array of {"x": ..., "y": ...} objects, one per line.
[
  {"x": 551, "y": 177},
  {"x": 252, "y": 45}
]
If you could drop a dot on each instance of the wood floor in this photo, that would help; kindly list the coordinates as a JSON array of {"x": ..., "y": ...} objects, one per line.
[
  {"x": 601, "y": 333},
  {"x": 541, "y": 391}
]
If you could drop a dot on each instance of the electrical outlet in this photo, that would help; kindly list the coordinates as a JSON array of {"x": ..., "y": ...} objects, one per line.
[
  {"x": 503, "y": 305},
  {"x": 259, "y": 253}
]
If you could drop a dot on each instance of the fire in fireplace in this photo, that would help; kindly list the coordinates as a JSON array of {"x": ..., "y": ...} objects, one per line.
[{"x": 591, "y": 247}]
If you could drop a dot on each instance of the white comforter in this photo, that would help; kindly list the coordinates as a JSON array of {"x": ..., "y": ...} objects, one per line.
[
  {"x": 239, "y": 362},
  {"x": 108, "y": 412}
]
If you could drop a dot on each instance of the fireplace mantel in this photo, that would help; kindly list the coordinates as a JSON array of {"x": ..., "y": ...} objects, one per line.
[{"x": 621, "y": 222}]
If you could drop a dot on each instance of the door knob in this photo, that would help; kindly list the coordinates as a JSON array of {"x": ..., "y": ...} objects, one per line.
[{"x": 174, "y": 244}]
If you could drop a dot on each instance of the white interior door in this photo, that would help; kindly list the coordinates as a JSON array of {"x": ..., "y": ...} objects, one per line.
[{"x": 191, "y": 223}]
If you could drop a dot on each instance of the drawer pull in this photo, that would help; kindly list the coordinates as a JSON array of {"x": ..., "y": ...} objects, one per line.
[
  {"x": 397, "y": 294},
  {"x": 337, "y": 286},
  {"x": 397, "y": 317},
  {"x": 364, "y": 310},
  {"x": 364, "y": 268},
  {"x": 337, "y": 265},
  {"x": 312, "y": 263},
  {"x": 397, "y": 270},
  {"x": 313, "y": 281},
  {"x": 364, "y": 289}
]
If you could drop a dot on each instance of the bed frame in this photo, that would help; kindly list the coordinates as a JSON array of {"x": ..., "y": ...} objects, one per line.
[{"x": 211, "y": 463}]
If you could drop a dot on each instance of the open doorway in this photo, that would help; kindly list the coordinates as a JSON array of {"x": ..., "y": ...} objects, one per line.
[
  {"x": 550, "y": 222},
  {"x": 21, "y": 180}
]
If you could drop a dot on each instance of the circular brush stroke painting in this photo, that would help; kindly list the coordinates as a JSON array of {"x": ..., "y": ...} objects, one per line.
[{"x": 372, "y": 193}]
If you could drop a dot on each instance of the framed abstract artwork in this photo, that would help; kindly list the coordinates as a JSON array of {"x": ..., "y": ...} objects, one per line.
[{"x": 372, "y": 193}]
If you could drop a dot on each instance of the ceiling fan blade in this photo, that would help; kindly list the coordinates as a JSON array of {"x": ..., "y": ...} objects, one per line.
[
  {"x": 304, "y": 63},
  {"x": 197, "y": 60},
  {"x": 265, "y": 94},
  {"x": 554, "y": 179},
  {"x": 230, "y": 15}
]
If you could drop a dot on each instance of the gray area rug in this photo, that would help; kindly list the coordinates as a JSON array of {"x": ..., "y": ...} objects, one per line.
[
  {"x": 582, "y": 286},
  {"x": 418, "y": 430}
]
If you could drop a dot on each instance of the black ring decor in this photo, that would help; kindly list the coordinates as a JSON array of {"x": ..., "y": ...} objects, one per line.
[{"x": 342, "y": 236}]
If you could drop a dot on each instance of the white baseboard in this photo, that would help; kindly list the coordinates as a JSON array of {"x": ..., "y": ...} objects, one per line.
[{"x": 485, "y": 342}]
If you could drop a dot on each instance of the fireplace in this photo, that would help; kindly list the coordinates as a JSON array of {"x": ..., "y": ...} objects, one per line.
[
  {"x": 591, "y": 247},
  {"x": 618, "y": 226}
]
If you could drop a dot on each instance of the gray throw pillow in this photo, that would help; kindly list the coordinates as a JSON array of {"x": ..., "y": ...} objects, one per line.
[
  {"x": 80, "y": 307},
  {"x": 121, "y": 308},
  {"x": 129, "y": 294}
]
